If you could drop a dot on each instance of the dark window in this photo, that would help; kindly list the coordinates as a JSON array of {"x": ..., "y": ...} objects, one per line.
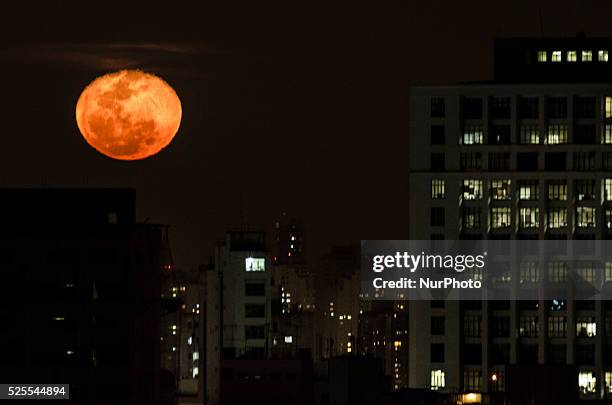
[
  {"x": 470, "y": 160},
  {"x": 437, "y": 135},
  {"x": 472, "y": 325},
  {"x": 528, "y": 107},
  {"x": 254, "y": 311},
  {"x": 437, "y": 216},
  {"x": 585, "y": 355},
  {"x": 584, "y": 160},
  {"x": 501, "y": 326},
  {"x": 254, "y": 289},
  {"x": 472, "y": 354},
  {"x": 500, "y": 353},
  {"x": 254, "y": 332},
  {"x": 585, "y": 107},
  {"x": 499, "y": 161},
  {"x": 555, "y": 161},
  {"x": 437, "y": 107},
  {"x": 437, "y": 325},
  {"x": 437, "y": 353},
  {"x": 585, "y": 190},
  {"x": 527, "y": 161},
  {"x": 438, "y": 161},
  {"x": 557, "y": 354},
  {"x": 499, "y": 135},
  {"x": 606, "y": 160},
  {"x": 528, "y": 354},
  {"x": 557, "y": 107},
  {"x": 436, "y": 304},
  {"x": 500, "y": 107},
  {"x": 472, "y": 108},
  {"x": 585, "y": 134}
]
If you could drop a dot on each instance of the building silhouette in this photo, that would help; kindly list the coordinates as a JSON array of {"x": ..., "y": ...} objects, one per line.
[{"x": 80, "y": 294}]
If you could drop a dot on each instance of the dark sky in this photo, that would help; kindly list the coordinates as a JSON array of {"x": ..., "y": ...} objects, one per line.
[{"x": 302, "y": 109}]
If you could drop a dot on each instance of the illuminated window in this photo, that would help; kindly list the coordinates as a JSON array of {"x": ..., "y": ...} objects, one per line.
[
  {"x": 586, "y": 327},
  {"x": 472, "y": 189},
  {"x": 557, "y": 218},
  {"x": 500, "y": 189},
  {"x": 607, "y": 135},
  {"x": 437, "y": 189},
  {"x": 608, "y": 107},
  {"x": 608, "y": 377},
  {"x": 602, "y": 56},
  {"x": 528, "y": 326},
  {"x": 472, "y": 135},
  {"x": 557, "y": 133},
  {"x": 288, "y": 339},
  {"x": 557, "y": 326},
  {"x": 528, "y": 190},
  {"x": 542, "y": 56},
  {"x": 529, "y": 272},
  {"x": 571, "y": 56},
  {"x": 255, "y": 264},
  {"x": 470, "y": 218},
  {"x": 437, "y": 379},
  {"x": 556, "y": 56},
  {"x": 585, "y": 217},
  {"x": 557, "y": 272},
  {"x": 586, "y": 271},
  {"x": 607, "y": 273},
  {"x": 500, "y": 217},
  {"x": 498, "y": 381},
  {"x": 530, "y": 134},
  {"x": 587, "y": 56},
  {"x": 587, "y": 382},
  {"x": 557, "y": 190},
  {"x": 529, "y": 217}
]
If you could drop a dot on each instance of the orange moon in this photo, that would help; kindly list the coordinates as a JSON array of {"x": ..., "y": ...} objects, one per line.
[{"x": 128, "y": 115}]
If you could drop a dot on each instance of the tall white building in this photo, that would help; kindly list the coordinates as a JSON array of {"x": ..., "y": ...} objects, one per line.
[
  {"x": 238, "y": 306},
  {"x": 528, "y": 156}
]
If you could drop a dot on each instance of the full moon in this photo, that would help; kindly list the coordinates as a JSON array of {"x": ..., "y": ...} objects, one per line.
[{"x": 128, "y": 115}]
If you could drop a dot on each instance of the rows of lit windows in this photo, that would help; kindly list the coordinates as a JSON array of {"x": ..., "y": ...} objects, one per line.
[
  {"x": 585, "y": 55},
  {"x": 528, "y": 190}
]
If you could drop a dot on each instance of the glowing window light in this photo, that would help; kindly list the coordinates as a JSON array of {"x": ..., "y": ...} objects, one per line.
[{"x": 542, "y": 56}]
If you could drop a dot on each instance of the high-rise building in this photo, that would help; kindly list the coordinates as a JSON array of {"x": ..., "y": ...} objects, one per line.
[
  {"x": 80, "y": 289},
  {"x": 182, "y": 329},
  {"x": 526, "y": 156},
  {"x": 337, "y": 302},
  {"x": 288, "y": 246},
  {"x": 238, "y": 305}
]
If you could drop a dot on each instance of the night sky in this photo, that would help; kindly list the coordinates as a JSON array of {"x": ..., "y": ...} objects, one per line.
[{"x": 302, "y": 110}]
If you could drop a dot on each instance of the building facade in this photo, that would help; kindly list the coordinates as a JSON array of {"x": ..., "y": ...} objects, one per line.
[{"x": 517, "y": 158}]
